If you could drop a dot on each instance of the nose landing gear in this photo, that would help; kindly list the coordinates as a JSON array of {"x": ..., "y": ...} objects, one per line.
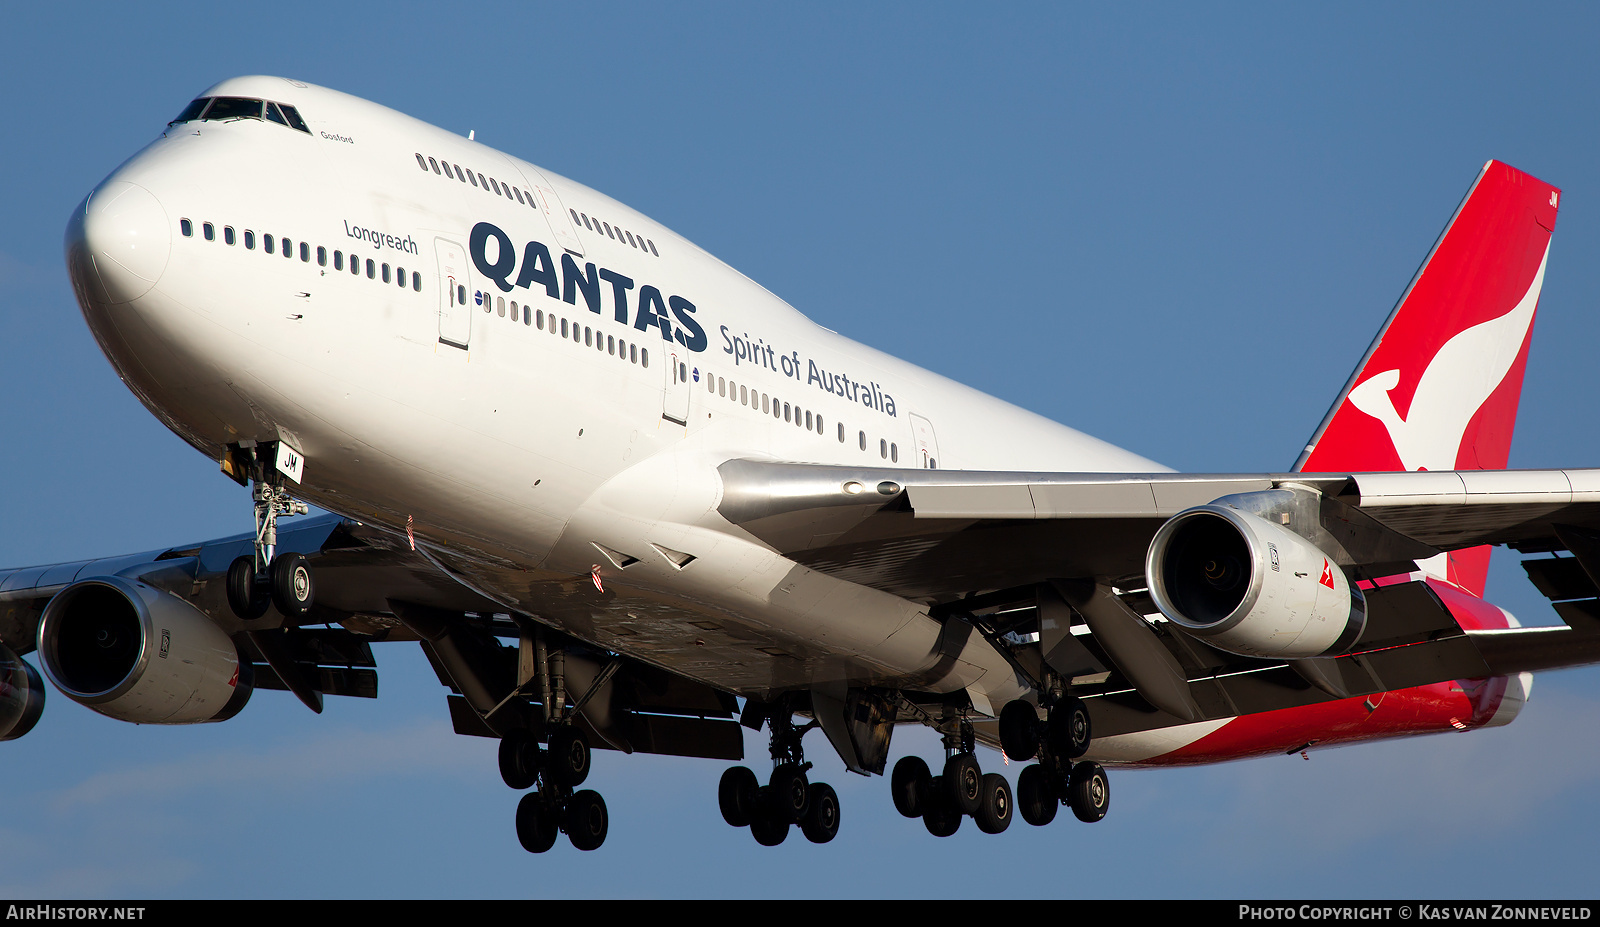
[{"x": 266, "y": 577}]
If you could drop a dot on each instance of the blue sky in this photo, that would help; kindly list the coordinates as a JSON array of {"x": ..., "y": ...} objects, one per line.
[{"x": 1173, "y": 227}]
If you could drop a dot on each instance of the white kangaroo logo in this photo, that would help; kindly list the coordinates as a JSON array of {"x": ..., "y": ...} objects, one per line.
[{"x": 1458, "y": 381}]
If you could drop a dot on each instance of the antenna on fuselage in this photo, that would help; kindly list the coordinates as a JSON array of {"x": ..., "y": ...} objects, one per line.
[{"x": 470, "y": 133}]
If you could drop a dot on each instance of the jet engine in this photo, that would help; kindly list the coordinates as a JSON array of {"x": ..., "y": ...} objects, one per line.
[
  {"x": 1248, "y": 586},
  {"x": 21, "y": 695},
  {"x": 133, "y": 652}
]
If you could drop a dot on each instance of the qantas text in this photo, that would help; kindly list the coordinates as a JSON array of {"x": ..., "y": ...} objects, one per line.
[{"x": 538, "y": 268}]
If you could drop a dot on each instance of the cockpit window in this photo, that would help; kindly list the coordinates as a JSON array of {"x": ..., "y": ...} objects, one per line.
[
  {"x": 219, "y": 108},
  {"x": 233, "y": 108},
  {"x": 192, "y": 111}
]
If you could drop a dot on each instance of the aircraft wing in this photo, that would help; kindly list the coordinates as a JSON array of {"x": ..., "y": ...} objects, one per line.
[{"x": 977, "y": 544}]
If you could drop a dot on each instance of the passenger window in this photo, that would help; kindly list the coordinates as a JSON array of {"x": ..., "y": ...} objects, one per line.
[
  {"x": 527, "y": 317},
  {"x": 305, "y": 252},
  {"x": 355, "y": 266},
  {"x": 420, "y": 161},
  {"x": 563, "y": 328},
  {"x": 249, "y": 240},
  {"x": 372, "y": 269},
  {"x": 338, "y": 260},
  {"x": 322, "y": 256},
  {"x": 652, "y": 247},
  {"x": 267, "y": 243},
  {"x": 764, "y": 406},
  {"x": 894, "y": 454},
  {"x": 586, "y": 222},
  {"x": 496, "y": 185},
  {"x": 588, "y": 340},
  {"x": 227, "y": 234},
  {"x": 644, "y": 357},
  {"x": 611, "y": 345},
  {"x": 518, "y": 192},
  {"x": 210, "y": 231},
  {"x": 400, "y": 277},
  {"x": 633, "y": 354},
  {"x": 786, "y": 411},
  {"x": 808, "y": 420},
  {"x": 883, "y": 448},
  {"x": 841, "y": 432},
  {"x": 863, "y": 440},
  {"x": 501, "y": 306},
  {"x": 462, "y": 177},
  {"x": 609, "y": 230},
  {"x": 386, "y": 280},
  {"x": 480, "y": 182},
  {"x": 538, "y": 319},
  {"x": 433, "y": 164},
  {"x": 288, "y": 247},
  {"x": 744, "y": 396},
  {"x": 416, "y": 281},
  {"x": 575, "y": 219},
  {"x": 186, "y": 227}
]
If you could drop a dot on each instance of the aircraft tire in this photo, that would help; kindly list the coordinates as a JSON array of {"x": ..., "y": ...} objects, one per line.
[
  {"x": 587, "y": 821},
  {"x": 245, "y": 598},
  {"x": 790, "y": 793},
  {"x": 1019, "y": 730},
  {"x": 995, "y": 814},
  {"x": 519, "y": 760},
  {"x": 822, "y": 813},
  {"x": 963, "y": 781},
  {"x": 292, "y": 589},
  {"x": 1070, "y": 730},
  {"x": 909, "y": 785},
  {"x": 1089, "y": 792},
  {"x": 1036, "y": 796},
  {"x": 536, "y": 826},
  {"x": 940, "y": 815},
  {"x": 736, "y": 795},
  {"x": 767, "y": 827},
  {"x": 569, "y": 756}
]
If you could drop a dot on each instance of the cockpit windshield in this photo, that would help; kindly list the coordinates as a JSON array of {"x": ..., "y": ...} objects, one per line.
[{"x": 207, "y": 109}]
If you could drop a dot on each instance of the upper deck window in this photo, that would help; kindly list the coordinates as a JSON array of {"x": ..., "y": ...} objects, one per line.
[{"x": 220, "y": 108}]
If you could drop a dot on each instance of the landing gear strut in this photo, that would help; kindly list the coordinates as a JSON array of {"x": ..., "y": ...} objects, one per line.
[
  {"x": 266, "y": 577},
  {"x": 557, "y": 767},
  {"x": 788, "y": 797}
]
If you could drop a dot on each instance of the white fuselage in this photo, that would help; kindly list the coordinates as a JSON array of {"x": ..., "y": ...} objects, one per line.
[{"x": 532, "y": 454}]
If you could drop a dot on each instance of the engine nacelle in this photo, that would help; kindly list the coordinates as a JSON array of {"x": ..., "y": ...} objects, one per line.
[
  {"x": 133, "y": 652},
  {"x": 1251, "y": 587},
  {"x": 21, "y": 695}
]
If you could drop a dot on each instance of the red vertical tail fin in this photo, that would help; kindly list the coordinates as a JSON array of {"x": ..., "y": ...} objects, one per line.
[{"x": 1438, "y": 388}]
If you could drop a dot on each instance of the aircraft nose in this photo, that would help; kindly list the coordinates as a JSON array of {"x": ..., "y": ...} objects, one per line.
[{"x": 123, "y": 236}]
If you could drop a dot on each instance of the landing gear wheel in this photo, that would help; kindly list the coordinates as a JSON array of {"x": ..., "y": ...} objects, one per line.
[
  {"x": 519, "y": 760},
  {"x": 1036, "y": 797},
  {"x": 994, "y": 815},
  {"x": 963, "y": 781},
  {"x": 1069, "y": 728},
  {"x": 292, "y": 591},
  {"x": 766, "y": 826},
  {"x": 789, "y": 793},
  {"x": 821, "y": 823},
  {"x": 940, "y": 816},
  {"x": 247, "y": 600},
  {"x": 736, "y": 795},
  {"x": 569, "y": 757},
  {"x": 1019, "y": 730},
  {"x": 908, "y": 785},
  {"x": 587, "y": 821},
  {"x": 1088, "y": 792},
  {"x": 536, "y": 825}
]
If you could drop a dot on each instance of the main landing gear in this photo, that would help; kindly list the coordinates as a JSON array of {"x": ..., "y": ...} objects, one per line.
[
  {"x": 554, "y": 806},
  {"x": 266, "y": 577},
  {"x": 557, "y": 766},
  {"x": 788, "y": 797},
  {"x": 962, "y": 789},
  {"x": 1057, "y": 741}
]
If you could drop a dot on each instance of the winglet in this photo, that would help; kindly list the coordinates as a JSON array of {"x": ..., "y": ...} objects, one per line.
[{"x": 1438, "y": 387}]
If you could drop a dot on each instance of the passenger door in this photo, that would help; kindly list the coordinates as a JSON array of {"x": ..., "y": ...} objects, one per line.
[{"x": 455, "y": 289}]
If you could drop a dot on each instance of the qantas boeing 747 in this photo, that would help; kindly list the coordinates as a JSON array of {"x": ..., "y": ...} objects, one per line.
[{"x": 624, "y": 498}]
